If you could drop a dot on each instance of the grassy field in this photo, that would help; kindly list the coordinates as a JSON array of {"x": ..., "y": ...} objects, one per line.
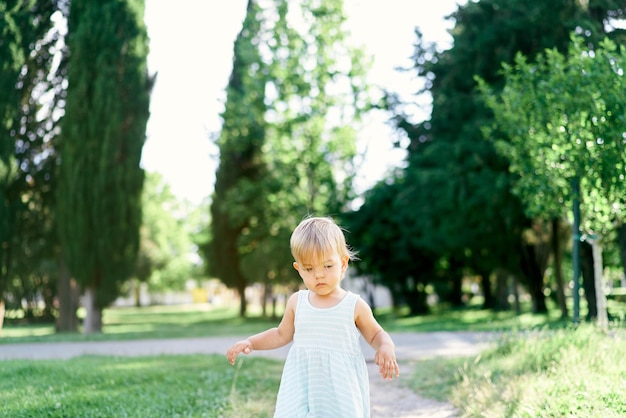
[
  {"x": 202, "y": 320},
  {"x": 564, "y": 373},
  {"x": 542, "y": 367},
  {"x": 162, "y": 386}
]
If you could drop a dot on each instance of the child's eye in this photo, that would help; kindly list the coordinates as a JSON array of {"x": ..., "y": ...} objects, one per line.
[
  {"x": 329, "y": 266},
  {"x": 308, "y": 269}
]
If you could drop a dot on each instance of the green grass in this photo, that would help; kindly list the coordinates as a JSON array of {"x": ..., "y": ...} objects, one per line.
[
  {"x": 474, "y": 318},
  {"x": 574, "y": 372},
  {"x": 202, "y": 320},
  {"x": 162, "y": 386},
  {"x": 542, "y": 367},
  {"x": 179, "y": 321}
]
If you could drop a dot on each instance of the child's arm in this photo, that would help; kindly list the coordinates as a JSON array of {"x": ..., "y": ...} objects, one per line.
[
  {"x": 379, "y": 339},
  {"x": 269, "y": 339}
]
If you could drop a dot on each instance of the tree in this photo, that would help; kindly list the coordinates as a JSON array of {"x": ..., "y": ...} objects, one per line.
[
  {"x": 396, "y": 260},
  {"x": 27, "y": 136},
  {"x": 103, "y": 130},
  {"x": 316, "y": 100},
  {"x": 241, "y": 167},
  {"x": 471, "y": 212},
  {"x": 563, "y": 118},
  {"x": 288, "y": 138},
  {"x": 165, "y": 246}
]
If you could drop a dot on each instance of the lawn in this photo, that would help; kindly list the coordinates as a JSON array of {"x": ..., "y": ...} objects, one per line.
[
  {"x": 160, "y": 386},
  {"x": 176, "y": 321},
  {"x": 203, "y": 320},
  {"x": 543, "y": 366}
]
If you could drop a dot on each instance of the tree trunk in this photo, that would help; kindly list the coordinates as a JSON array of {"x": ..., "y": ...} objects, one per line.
[
  {"x": 518, "y": 307},
  {"x": 502, "y": 291},
  {"x": 137, "y": 292},
  {"x": 589, "y": 286},
  {"x": 576, "y": 248},
  {"x": 456, "y": 282},
  {"x": 455, "y": 296},
  {"x": 417, "y": 301},
  {"x": 603, "y": 320},
  {"x": 534, "y": 277},
  {"x": 243, "y": 305},
  {"x": 93, "y": 314},
  {"x": 68, "y": 295},
  {"x": 267, "y": 294},
  {"x": 621, "y": 240},
  {"x": 558, "y": 268},
  {"x": 1, "y": 314},
  {"x": 274, "y": 300},
  {"x": 49, "y": 294},
  {"x": 489, "y": 301}
]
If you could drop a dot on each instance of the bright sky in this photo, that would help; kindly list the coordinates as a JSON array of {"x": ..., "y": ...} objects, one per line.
[{"x": 191, "y": 49}]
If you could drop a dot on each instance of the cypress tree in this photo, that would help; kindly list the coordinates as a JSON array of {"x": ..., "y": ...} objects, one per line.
[
  {"x": 26, "y": 37},
  {"x": 103, "y": 132},
  {"x": 240, "y": 168}
]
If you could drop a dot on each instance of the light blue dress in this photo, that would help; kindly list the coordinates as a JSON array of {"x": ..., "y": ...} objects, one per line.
[{"x": 325, "y": 375}]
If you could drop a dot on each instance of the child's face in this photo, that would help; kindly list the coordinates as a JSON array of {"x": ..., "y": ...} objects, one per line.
[{"x": 324, "y": 275}]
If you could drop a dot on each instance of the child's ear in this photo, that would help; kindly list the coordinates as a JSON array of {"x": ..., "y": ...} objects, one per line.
[
  {"x": 296, "y": 266},
  {"x": 344, "y": 263}
]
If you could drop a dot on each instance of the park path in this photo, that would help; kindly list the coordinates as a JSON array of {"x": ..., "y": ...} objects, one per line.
[{"x": 388, "y": 398}]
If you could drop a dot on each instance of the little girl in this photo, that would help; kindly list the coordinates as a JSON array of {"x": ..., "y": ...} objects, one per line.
[{"x": 325, "y": 373}]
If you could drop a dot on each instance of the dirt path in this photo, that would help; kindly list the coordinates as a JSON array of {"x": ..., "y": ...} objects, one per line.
[
  {"x": 388, "y": 399},
  {"x": 392, "y": 399}
]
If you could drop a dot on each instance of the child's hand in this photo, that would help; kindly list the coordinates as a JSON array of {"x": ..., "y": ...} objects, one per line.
[
  {"x": 386, "y": 361},
  {"x": 244, "y": 346}
]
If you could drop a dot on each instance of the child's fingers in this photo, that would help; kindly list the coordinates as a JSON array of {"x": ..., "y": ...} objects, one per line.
[
  {"x": 233, "y": 351},
  {"x": 388, "y": 369},
  {"x": 231, "y": 354}
]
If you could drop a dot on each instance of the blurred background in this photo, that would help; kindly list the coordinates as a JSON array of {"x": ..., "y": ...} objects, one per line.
[{"x": 475, "y": 153}]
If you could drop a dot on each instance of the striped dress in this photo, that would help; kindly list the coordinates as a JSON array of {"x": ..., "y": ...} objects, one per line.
[{"x": 325, "y": 375}]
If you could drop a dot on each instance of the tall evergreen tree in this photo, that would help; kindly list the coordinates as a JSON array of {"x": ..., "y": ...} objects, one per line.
[
  {"x": 26, "y": 137},
  {"x": 103, "y": 132},
  {"x": 240, "y": 167}
]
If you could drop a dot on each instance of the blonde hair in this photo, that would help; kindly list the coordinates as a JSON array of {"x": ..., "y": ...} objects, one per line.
[{"x": 316, "y": 238}]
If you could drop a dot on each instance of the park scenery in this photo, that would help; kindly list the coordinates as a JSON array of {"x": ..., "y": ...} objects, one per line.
[{"x": 494, "y": 252}]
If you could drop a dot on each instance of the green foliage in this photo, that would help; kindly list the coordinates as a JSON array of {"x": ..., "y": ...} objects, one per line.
[
  {"x": 396, "y": 259},
  {"x": 563, "y": 119},
  {"x": 27, "y": 139},
  {"x": 288, "y": 138},
  {"x": 236, "y": 202},
  {"x": 320, "y": 98},
  {"x": 571, "y": 372},
  {"x": 165, "y": 249},
  {"x": 454, "y": 200},
  {"x": 103, "y": 131},
  {"x": 192, "y": 386}
]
